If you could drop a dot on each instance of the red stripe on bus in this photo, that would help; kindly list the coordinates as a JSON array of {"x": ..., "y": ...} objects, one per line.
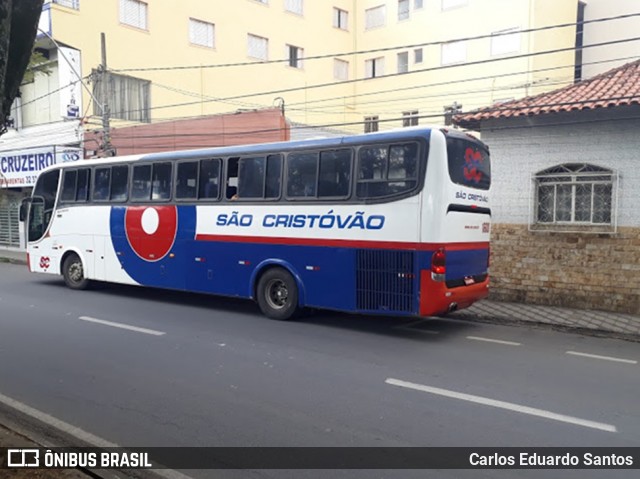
[{"x": 338, "y": 243}]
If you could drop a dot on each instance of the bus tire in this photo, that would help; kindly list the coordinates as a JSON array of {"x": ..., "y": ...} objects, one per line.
[
  {"x": 277, "y": 294},
  {"x": 73, "y": 272}
]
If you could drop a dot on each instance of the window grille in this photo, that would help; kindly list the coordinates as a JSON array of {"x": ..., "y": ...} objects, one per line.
[
  {"x": 258, "y": 47},
  {"x": 574, "y": 195}
]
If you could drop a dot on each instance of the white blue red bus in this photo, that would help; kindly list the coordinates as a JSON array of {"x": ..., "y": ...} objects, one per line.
[{"x": 393, "y": 223}]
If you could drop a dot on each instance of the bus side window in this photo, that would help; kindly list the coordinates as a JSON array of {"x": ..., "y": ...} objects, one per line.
[
  {"x": 335, "y": 173},
  {"x": 251, "y": 174},
  {"x": 161, "y": 182},
  {"x": 141, "y": 185},
  {"x": 231, "y": 187},
  {"x": 209, "y": 179},
  {"x": 187, "y": 180},
  {"x": 69, "y": 185},
  {"x": 274, "y": 177},
  {"x": 302, "y": 174},
  {"x": 119, "y": 182},
  {"x": 102, "y": 184},
  {"x": 84, "y": 180}
]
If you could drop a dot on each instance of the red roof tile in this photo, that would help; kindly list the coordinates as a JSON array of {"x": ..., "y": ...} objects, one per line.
[{"x": 617, "y": 87}]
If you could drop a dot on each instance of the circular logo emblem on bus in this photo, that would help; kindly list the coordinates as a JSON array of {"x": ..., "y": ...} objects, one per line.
[
  {"x": 151, "y": 230},
  {"x": 152, "y": 243}
]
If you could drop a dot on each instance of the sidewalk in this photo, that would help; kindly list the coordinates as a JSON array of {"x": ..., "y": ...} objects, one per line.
[{"x": 595, "y": 322}]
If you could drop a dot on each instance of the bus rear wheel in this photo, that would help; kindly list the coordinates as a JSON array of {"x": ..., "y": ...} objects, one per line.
[
  {"x": 73, "y": 272},
  {"x": 277, "y": 294}
]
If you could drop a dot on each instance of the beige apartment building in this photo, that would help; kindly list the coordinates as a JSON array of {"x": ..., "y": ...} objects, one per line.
[{"x": 330, "y": 65}]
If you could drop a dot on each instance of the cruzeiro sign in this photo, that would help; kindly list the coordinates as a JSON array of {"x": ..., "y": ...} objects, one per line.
[{"x": 20, "y": 168}]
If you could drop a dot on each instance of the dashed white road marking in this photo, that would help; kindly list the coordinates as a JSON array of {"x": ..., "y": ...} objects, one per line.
[
  {"x": 497, "y": 341},
  {"x": 503, "y": 405},
  {"x": 606, "y": 358},
  {"x": 122, "y": 326},
  {"x": 76, "y": 432}
]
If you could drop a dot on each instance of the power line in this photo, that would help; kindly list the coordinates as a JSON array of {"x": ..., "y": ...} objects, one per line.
[
  {"x": 393, "y": 75},
  {"x": 379, "y": 50}
]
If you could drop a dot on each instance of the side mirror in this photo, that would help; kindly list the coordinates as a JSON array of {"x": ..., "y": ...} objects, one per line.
[{"x": 24, "y": 209}]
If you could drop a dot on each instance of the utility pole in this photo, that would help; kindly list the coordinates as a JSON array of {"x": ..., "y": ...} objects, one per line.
[{"x": 106, "y": 148}]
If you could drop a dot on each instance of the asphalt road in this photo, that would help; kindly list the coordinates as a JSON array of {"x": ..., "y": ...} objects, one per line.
[{"x": 206, "y": 371}]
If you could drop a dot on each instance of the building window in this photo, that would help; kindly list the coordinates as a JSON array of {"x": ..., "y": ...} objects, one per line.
[
  {"x": 410, "y": 118},
  {"x": 417, "y": 55},
  {"x": 340, "y": 69},
  {"x": 454, "y": 52},
  {"x": 574, "y": 193},
  {"x": 403, "y": 9},
  {"x": 340, "y": 19},
  {"x": 371, "y": 123},
  {"x": 201, "y": 33},
  {"x": 295, "y": 55},
  {"x": 75, "y": 4},
  {"x": 375, "y": 17},
  {"x": 129, "y": 98},
  {"x": 134, "y": 13},
  {"x": 294, "y": 6},
  {"x": 505, "y": 41},
  {"x": 403, "y": 62},
  {"x": 449, "y": 4},
  {"x": 374, "y": 67},
  {"x": 418, "y": 4},
  {"x": 257, "y": 47},
  {"x": 266, "y": 2}
]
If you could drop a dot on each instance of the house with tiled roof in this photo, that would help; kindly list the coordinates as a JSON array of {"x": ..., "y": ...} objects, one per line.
[{"x": 565, "y": 193}]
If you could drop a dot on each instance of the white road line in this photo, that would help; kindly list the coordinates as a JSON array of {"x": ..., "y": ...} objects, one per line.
[
  {"x": 76, "y": 432},
  {"x": 503, "y": 405},
  {"x": 122, "y": 326},
  {"x": 497, "y": 341},
  {"x": 606, "y": 358}
]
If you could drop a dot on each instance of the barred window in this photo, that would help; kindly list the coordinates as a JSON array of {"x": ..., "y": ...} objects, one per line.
[
  {"x": 410, "y": 118},
  {"x": 574, "y": 193},
  {"x": 371, "y": 123}
]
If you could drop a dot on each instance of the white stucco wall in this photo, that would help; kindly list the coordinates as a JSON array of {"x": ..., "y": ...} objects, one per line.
[{"x": 604, "y": 138}]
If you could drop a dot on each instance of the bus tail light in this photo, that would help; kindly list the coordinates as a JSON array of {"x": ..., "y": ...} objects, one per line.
[{"x": 438, "y": 265}]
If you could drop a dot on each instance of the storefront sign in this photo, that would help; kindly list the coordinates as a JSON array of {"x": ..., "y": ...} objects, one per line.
[{"x": 20, "y": 168}]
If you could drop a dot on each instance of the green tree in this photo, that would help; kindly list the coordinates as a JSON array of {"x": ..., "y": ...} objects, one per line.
[{"x": 18, "y": 28}]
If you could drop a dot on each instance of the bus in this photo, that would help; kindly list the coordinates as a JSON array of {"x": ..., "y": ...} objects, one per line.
[{"x": 387, "y": 223}]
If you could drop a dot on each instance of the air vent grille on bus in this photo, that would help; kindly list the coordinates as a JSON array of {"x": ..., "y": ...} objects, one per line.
[{"x": 385, "y": 280}]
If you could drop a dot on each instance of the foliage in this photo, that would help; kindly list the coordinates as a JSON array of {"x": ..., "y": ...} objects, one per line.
[{"x": 18, "y": 27}]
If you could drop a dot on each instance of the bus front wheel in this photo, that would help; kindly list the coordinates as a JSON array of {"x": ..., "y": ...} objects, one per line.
[
  {"x": 73, "y": 272},
  {"x": 277, "y": 294}
]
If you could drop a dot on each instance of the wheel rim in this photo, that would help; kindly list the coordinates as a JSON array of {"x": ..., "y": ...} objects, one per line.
[
  {"x": 277, "y": 294},
  {"x": 75, "y": 272}
]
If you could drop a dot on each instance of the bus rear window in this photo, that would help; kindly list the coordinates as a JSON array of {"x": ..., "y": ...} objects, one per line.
[{"x": 469, "y": 164}]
